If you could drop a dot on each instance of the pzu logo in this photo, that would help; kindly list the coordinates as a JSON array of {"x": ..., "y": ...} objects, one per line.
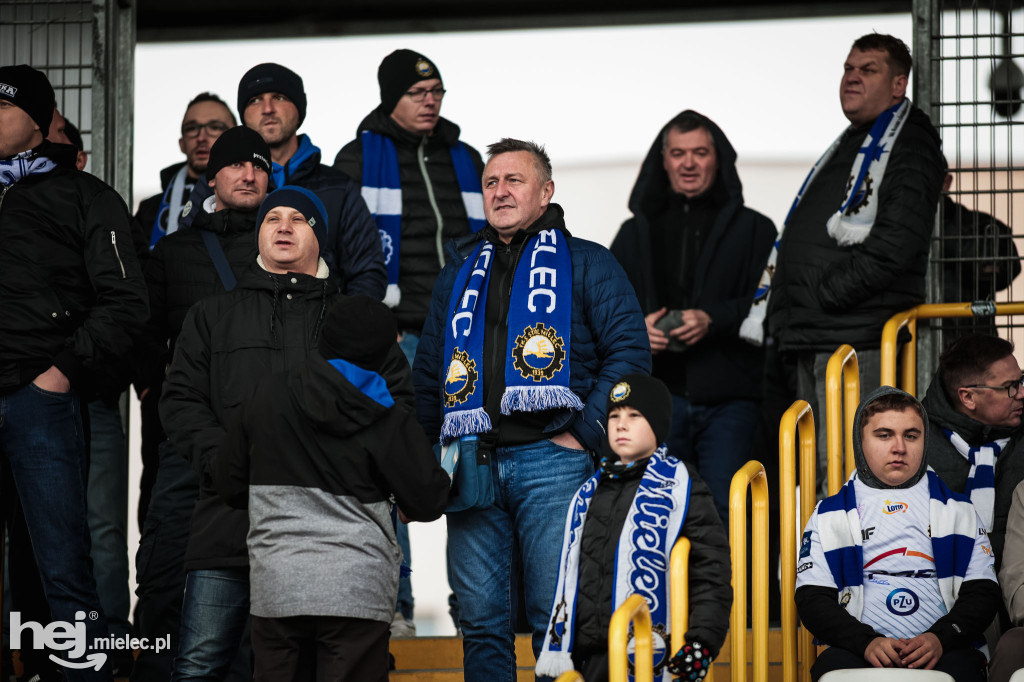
[{"x": 902, "y": 602}]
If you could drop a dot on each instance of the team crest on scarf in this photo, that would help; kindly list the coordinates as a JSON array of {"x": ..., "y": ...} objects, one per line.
[
  {"x": 538, "y": 352},
  {"x": 460, "y": 382},
  {"x": 862, "y": 198}
]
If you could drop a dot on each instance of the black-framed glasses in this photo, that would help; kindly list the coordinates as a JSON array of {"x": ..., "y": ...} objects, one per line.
[
  {"x": 1011, "y": 389},
  {"x": 213, "y": 129},
  {"x": 419, "y": 94}
]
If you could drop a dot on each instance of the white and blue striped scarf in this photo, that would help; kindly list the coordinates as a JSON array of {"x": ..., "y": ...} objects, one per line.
[
  {"x": 654, "y": 523},
  {"x": 22, "y": 165},
  {"x": 981, "y": 481},
  {"x": 382, "y": 191},
  {"x": 954, "y": 524}
]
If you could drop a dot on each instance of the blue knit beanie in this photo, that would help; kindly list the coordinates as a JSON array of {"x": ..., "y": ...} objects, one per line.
[{"x": 303, "y": 201}]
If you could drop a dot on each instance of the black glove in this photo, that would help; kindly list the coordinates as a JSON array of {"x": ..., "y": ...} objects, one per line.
[{"x": 691, "y": 662}]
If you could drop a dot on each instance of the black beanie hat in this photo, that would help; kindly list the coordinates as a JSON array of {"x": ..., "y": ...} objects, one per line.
[
  {"x": 399, "y": 71},
  {"x": 648, "y": 396},
  {"x": 360, "y": 330},
  {"x": 272, "y": 78},
  {"x": 302, "y": 200},
  {"x": 30, "y": 90},
  {"x": 238, "y": 145}
]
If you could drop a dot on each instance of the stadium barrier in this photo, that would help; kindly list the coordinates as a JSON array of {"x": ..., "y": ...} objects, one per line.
[{"x": 751, "y": 475}]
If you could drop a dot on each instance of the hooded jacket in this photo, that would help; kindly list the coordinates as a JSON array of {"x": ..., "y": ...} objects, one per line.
[
  {"x": 432, "y": 208},
  {"x": 819, "y": 609},
  {"x": 609, "y": 338},
  {"x": 71, "y": 290},
  {"x": 954, "y": 469},
  {"x": 316, "y": 460},
  {"x": 720, "y": 366},
  {"x": 269, "y": 323},
  {"x": 823, "y": 294}
]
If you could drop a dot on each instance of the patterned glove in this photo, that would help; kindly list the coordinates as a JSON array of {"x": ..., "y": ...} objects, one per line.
[{"x": 691, "y": 662}]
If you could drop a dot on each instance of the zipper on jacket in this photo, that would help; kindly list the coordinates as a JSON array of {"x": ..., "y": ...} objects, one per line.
[
  {"x": 113, "y": 240},
  {"x": 3, "y": 193},
  {"x": 438, "y": 241}
]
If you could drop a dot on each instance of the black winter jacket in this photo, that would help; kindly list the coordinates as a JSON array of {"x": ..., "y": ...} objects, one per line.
[
  {"x": 180, "y": 272},
  {"x": 953, "y": 469},
  {"x": 823, "y": 294},
  {"x": 710, "y": 565},
  {"x": 432, "y": 208},
  {"x": 71, "y": 290},
  {"x": 269, "y": 323},
  {"x": 720, "y": 366}
]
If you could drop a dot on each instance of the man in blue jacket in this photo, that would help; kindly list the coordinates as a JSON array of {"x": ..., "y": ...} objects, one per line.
[{"x": 528, "y": 328}]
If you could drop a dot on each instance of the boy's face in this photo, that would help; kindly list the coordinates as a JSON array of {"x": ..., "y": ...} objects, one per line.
[
  {"x": 893, "y": 444},
  {"x": 629, "y": 434}
]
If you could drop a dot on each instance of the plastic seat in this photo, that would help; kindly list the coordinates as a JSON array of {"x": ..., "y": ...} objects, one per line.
[
  {"x": 886, "y": 675},
  {"x": 1017, "y": 676}
]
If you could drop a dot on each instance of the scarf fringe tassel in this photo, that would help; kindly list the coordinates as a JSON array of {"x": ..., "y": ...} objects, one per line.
[{"x": 538, "y": 398}]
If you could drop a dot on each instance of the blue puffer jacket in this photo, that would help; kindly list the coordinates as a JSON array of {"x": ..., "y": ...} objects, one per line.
[{"x": 609, "y": 337}]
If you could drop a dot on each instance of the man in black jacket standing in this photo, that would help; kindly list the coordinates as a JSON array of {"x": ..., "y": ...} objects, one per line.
[
  {"x": 694, "y": 254},
  {"x": 854, "y": 247},
  {"x": 70, "y": 286}
]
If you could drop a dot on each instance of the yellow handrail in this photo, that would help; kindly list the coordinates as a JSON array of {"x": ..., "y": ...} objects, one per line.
[
  {"x": 796, "y": 424},
  {"x": 842, "y": 378},
  {"x": 679, "y": 596},
  {"x": 750, "y": 474},
  {"x": 927, "y": 311},
  {"x": 570, "y": 676},
  {"x": 633, "y": 611}
]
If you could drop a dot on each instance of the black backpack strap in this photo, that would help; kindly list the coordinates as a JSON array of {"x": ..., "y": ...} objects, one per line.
[{"x": 220, "y": 261}]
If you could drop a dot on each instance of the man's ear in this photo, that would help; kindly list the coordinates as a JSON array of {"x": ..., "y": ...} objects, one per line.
[
  {"x": 181, "y": 144},
  {"x": 211, "y": 182},
  {"x": 899, "y": 87},
  {"x": 966, "y": 397}
]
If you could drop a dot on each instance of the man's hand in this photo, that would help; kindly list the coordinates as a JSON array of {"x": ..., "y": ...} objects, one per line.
[
  {"x": 923, "y": 652},
  {"x": 659, "y": 341},
  {"x": 402, "y": 517},
  {"x": 567, "y": 440},
  {"x": 53, "y": 380},
  {"x": 694, "y": 328},
  {"x": 884, "y": 652}
]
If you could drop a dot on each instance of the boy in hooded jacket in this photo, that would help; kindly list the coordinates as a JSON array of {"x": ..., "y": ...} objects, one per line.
[
  {"x": 320, "y": 455},
  {"x": 896, "y": 570}
]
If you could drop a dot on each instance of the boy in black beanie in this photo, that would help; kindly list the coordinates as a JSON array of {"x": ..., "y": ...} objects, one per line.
[
  {"x": 316, "y": 456},
  {"x": 640, "y": 501}
]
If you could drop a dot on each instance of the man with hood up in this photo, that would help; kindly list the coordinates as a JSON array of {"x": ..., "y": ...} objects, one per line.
[
  {"x": 694, "y": 254},
  {"x": 896, "y": 570}
]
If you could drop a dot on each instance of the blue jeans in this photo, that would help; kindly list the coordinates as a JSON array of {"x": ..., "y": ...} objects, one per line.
[
  {"x": 108, "y": 513},
  {"x": 213, "y": 619},
  {"x": 409, "y": 343},
  {"x": 533, "y": 485},
  {"x": 716, "y": 439},
  {"x": 41, "y": 438}
]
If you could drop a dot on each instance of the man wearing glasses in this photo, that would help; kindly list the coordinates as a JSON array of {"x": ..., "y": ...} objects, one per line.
[
  {"x": 422, "y": 185},
  {"x": 974, "y": 442},
  {"x": 206, "y": 117}
]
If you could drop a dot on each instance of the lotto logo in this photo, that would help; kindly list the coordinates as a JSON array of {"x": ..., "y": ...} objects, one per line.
[{"x": 902, "y": 602}]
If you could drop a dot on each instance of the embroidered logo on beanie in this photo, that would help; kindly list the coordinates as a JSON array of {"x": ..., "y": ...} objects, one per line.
[
  {"x": 424, "y": 68},
  {"x": 619, "y": 392},
  {"x": 8, "y": 90},
  {"x": 261, "y": 159}
]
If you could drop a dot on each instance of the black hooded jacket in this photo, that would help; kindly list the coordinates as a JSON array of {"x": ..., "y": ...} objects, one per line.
[
  {"x": 728, "y": 268},
  {"x": 432, "y": 208},
  {"x": 953, "y": 468},
  {"x": 823, "y": 294}
]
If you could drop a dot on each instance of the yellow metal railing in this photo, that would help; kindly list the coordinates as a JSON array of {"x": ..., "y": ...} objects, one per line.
[
  {"x": 571, "y": 676},
  {"x": 928, "y": 311},
  {"x": 679, "y": 596},
  {"x": 750, "y": 475},
  {"x": 842, "y": 395},
  {"x": 633, "y": 611},
  {"x": 797, "y": 425}
]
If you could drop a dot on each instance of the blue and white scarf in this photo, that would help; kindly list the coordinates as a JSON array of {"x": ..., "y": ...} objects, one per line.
[
  {"x": 852, "y": 223},
  {"x": 22, "y": 165},
  {"x": 981, "y": 481},
  {"x": 539, "y": 335},
  {"x": 954, "y": 525},
  {"x": 382, "y": 191},
  {"x": 171, "y": 206},
  {"x": 654, "y": 523}
]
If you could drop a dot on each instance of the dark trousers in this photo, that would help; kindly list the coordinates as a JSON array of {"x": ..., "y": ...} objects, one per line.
[
  {"x": 964, "y": 665},
  {"x": 320, "y": 648}
]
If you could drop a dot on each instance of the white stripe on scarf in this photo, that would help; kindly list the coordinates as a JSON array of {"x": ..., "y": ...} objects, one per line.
[{"x": 982, "y": 495}]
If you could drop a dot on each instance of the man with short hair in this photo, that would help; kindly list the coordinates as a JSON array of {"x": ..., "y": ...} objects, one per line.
[
  {"x": 70, "y": 286},
  {"x": 185, "y": 267},
  {"x": 974, "y": 407},
  {"x": 272, "y": 101},
  {"x": 528, "y": 328},
  {"x": 422, "y": 185},
  {"x": 270, "y": 322},
  {"x": 854, "y": 247},
  {"x": 694, "y": 254}
]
